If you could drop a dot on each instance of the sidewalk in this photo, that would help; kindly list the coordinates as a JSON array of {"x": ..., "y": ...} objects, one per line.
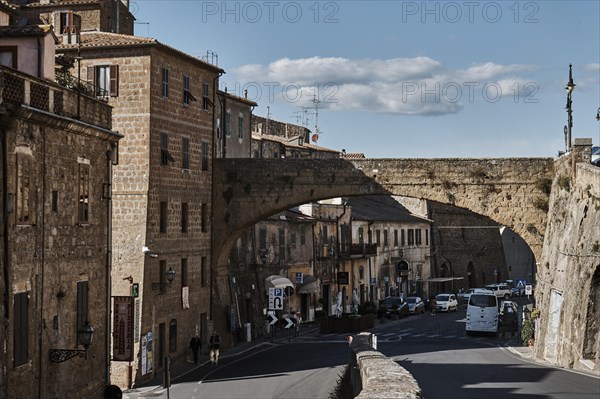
[{"x": 154, "y": 388}]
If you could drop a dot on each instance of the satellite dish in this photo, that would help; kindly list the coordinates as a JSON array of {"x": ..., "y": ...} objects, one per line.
[{"x": 315, "y": 138}]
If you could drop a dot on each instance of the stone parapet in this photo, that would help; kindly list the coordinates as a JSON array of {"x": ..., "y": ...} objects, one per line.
[{"x": 376, "y": 376}]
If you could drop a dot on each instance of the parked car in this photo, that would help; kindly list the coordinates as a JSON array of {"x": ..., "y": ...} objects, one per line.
[
  {"x": 395, "y": 305},
  {"x": 446, "y": 302},
  {"x": 501, "y": 290},
  {"x": 465, "y": 295},
  {"x": 415, "y": 305}
]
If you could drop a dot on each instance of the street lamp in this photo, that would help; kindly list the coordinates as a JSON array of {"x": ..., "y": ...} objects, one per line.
[
  {"x": 569, "y": 88},
  {"x": 84, "y": 335},
  {"x": 170, "y": 277}
]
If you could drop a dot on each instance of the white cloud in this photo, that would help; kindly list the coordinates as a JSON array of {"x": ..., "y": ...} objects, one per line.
[
  {"x": 408, "y": 86},
  {"x": 591, "y": 67}
]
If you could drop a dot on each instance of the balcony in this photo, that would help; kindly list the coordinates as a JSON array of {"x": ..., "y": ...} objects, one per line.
[
  {"x": 355, "y": 250},
  {"x": 17, "y": 88}
]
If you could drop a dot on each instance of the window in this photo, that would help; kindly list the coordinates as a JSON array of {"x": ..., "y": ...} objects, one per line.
[
  {"x": 163, "y": 217},
  {"x": 370, "y": 236},
  {"x": 204, "y": 218},
  {"x": 187, "y": 95},
  {"x": 185, "y": 152},
  {"x": 262, "y": 238},
  {"x": 54, "y": 201},
  {"x": 23, "y": 189},
  {"x": 402, "y": 238},
  {"x": 325, "y": 235},
  {"x": 162, "y": 278},
  {"x": 418, "y": 236},
  {"x": 395, "y": 238},
  {"x": 205, "y": 155},
  {"x": 302, "y": 235},
  {"x": 165, "y": 82},
  {"x": 205, "y": 99},
  {"x": 105, "y": 79},
  {"x": 21, "y": 329},
  {"x": 385, "y": 238},
  {"x": 228, "y": 123},
  {"x": 281, "y": 234},
  {"x": 411, "y": 237},
  {"x": 173, "y": 336},
  {"x": 293, "y": 238},
  {"x": 203, "y": 271},
  {"x": 427, "y": 237},
  {"x": 240, "y": 127},
  {"x": 165, "y": 155},
  {"x": 66, "y": 23},
  {"x": 184, "y": 217},
  {"x": 184, "y": 272},
  {"x": 361, "y": 236},
  {"x": 84, "y": 192},
  {"x": 378, "y": 237},
  {"x": 82, "y": 305},
  {"x": 8, "y": 56}
]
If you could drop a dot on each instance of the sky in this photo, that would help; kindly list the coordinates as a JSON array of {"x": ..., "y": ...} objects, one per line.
[{"x": 402, "y": 79}]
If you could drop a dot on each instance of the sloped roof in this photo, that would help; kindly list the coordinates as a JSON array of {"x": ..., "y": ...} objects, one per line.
[
  {"x": 236, "y": 98},
  {"x": 107, "y": 40},
  {"x": 381, "y": 208},
  {"x": 22, "y": 31},
  {"x": 9, "y": 7},
  {"x": 290, "y": 142},
  {"x": 62, "y": 3}
]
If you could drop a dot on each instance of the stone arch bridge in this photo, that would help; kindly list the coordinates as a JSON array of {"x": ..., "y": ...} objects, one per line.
[{"x": 511, "y": 191}]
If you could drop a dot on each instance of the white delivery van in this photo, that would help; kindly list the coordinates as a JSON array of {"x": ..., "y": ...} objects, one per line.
[{"x": 482, "y": 312}]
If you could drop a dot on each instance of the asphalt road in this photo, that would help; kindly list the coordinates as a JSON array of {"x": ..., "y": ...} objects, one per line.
[{"x": 446, "y": 363}]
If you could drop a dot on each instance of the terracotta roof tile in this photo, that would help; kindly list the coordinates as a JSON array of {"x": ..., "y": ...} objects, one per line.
[
  {"x": 62, "y": 3},
  {"x": 20, "y": 31}
]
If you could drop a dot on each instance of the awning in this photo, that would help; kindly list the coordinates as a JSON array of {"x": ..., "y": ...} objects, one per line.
[
  {"x": 277, "y": 282},
  {"x": 309, "y": 285},
  {"x": 440, "y": 279}
]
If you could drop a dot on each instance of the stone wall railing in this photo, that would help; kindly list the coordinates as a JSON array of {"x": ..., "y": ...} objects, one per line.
[{"x": 376, "y": 376}]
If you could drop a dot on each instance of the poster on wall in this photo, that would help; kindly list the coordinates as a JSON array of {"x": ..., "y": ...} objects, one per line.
[
  {"x": 123, "y": 329},
  {"x": 144, "y": 354},
  {"x": 149, "y": 360}
]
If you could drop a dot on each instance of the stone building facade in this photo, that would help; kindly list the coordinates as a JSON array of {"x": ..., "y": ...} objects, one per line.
[
  {"x": 57, "y": 155},
  {"x": 234, "y": 123},
  {"x": 163, "y": 103}
]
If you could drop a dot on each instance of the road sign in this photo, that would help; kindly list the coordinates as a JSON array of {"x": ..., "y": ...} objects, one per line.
[
  {"x": 299, "y": 278},
  {"x": 289, "y": 322},
  {"x": 528, "y": 289},
  {"x": 521, "y": 283},
  {"x": 275, "y": 298},
  {"x": 273, "y": 319}
]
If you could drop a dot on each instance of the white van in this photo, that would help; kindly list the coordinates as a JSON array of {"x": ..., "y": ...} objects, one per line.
[{"x": 482, "y": 312}]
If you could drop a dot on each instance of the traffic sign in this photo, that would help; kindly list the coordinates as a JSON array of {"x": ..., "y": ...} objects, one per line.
[
  {"x": 275, "y": 298},
  {"x": 289, "y": 322},
  {"x": 273, "y": 319},
  {"x": 528, "y": 289}
]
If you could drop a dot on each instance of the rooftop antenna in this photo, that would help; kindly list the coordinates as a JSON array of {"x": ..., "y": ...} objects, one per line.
[
  {"x": 316, "y": 101},
  {"x": 268, "y": 119}
]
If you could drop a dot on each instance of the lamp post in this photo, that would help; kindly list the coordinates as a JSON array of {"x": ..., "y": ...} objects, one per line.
[
  {"x": 84, "y": 335},
  {"x": 569, "y": 88},
  {"x": 170, "y": 277}
]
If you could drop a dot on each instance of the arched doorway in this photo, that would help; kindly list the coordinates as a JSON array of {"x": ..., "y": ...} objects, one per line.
[
  {"x": 591, "y": 344},
  {"x": 472, "y": 279}
]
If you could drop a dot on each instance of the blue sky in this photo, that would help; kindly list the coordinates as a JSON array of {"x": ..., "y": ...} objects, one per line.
[{"x": 402, "y": 79}]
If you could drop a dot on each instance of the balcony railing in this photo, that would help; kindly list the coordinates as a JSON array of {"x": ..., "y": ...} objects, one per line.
[
  {"x": 18, "y": 88},
  {"x": 359, "y": 249}
]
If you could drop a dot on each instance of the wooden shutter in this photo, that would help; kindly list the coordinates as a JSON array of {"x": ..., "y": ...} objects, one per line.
[
  {"x": 114, "y": 80},
  {"x": 21, "y": 328},
  {"x": 91, "y": 75},
  {"x": 82, "y": 304}
]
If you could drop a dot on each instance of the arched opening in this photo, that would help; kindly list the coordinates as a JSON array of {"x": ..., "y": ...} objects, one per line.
[
  {"x": 471, "y": 278},
  {"x": 591, "y": 345}
]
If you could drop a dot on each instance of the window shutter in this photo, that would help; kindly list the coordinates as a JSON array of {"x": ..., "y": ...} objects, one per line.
[
  {"x": 114, "y": 80},
  {"x": 90, "y": 75},
  {"x": 82, "y": 304},
  {"x": 21, "y": 328}
]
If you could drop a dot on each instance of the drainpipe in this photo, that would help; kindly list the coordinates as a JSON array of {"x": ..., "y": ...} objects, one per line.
[
  {"x": 212, "y": 173},
  {"x": 109, "y": 155},
  {"x": 43, "y": 259},
  {"x": 5, "y": 257}
]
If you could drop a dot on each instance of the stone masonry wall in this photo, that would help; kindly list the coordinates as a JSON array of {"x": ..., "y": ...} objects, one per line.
[{"x": 571, "y": 255}]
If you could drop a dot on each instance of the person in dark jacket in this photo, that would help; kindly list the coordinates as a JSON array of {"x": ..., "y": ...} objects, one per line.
[
  {"x": 195, "y": 345},
  {"x": 215, "y": 345}
]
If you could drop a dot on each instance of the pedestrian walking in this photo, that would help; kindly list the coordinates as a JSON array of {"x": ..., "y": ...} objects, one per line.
[
  {"x": 433, "y": 304},
  {"x": 195, "y": 345},
  {"x": 214, "y": 346}
]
